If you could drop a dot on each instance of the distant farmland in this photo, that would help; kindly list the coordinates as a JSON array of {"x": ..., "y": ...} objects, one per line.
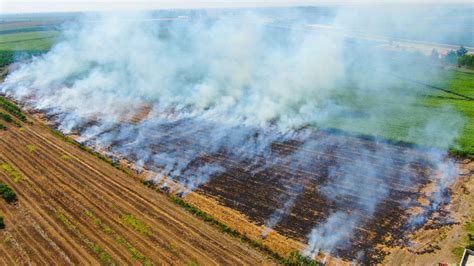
[{"x": 25, "y": 41}]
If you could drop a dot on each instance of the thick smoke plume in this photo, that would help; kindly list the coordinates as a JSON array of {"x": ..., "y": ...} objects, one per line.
[{"x": 232, "y": 85}]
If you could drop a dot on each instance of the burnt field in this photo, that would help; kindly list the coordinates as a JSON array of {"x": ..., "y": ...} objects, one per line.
[
  {"x": 259, "y": 193},
  {"x": 295, "y": 183}
]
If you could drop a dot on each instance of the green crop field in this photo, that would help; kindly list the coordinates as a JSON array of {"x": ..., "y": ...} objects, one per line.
[
  {"x": 24, "y": 36},
  {"x": 462, "y": 83},
  {"x": 37, "y": 40},
  {"x": 382, "y": 115}
]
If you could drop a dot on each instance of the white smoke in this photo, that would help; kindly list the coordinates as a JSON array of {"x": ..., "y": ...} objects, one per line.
[{"x": 231, "y": 87}]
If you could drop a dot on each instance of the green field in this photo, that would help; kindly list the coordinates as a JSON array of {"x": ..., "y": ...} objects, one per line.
[
  {"x": 39, "y": 40},
  {"x": 19, "y": 45},
  {"x": 426, "y": 115},
  {"x": 463, "y": 83}
]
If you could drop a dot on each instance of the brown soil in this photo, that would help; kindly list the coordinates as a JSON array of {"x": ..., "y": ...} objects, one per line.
[{"x": 62, "y": 180}]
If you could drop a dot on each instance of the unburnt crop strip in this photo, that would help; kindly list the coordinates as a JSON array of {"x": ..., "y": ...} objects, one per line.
[
  {"x": 103, "y": 255},
  {"x": 17, "y": 176},
  {"x": 119, "y": 239}
]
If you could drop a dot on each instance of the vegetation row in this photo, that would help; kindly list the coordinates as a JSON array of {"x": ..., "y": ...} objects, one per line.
[
  {"x": 104, "y": 256},
  {"x": 119, "y": 239},
  {"x": 12, "y": 108},
  {"x": 458, "y": 57}
]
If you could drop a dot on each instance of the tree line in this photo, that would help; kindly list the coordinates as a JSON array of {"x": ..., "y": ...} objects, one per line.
[{"x": 459, "y": 57}]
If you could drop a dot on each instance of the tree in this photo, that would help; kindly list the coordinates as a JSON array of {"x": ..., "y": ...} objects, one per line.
[
  {"x": 434, "y": 55},
  {"x": 461, "y": 51},
  {"x": 466, "y": 60},
  {"x": 451, "y": 57}
]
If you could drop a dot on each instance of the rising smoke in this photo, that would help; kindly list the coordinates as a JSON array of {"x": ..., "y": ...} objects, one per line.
[{"x": 232, "y": 86}]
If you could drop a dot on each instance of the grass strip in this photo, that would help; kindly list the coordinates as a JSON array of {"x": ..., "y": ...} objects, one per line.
[{"x": 137, "y": 225}]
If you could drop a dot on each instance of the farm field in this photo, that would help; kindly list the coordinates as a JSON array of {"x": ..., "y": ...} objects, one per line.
[
  {"x": 458, "y": 95},
  {"x": 73, "y": 208},
  {"x": 21, "y": 37},
  {"x": 368, "y": 176},
  {"x": 25, "y": 41}
]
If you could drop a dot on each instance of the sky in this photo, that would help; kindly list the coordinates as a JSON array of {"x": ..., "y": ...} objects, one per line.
[{"x": 36, "y": 6}]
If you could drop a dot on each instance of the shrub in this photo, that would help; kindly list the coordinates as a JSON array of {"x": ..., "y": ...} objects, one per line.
[
  {"x": 297, "y": 259},
  {"x": 451, "y": 57},
  {"x": 2, "y": 222},
  {"x": 17, "y": 177},
  {"x": 7, "y": 193},
  {"x": 66, "y": 157},
  {"x": 31, "y": 148},
  {"x": 137, "y": 225},
  {"x": 6, "y": 117},
  {"x": 466, "y": 60}
]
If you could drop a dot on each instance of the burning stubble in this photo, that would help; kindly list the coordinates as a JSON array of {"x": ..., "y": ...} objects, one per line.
[{"x": 224, "y": 92}]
